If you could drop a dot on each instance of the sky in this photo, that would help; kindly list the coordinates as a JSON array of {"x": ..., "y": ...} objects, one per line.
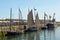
[{"x": 48, "y": 6}]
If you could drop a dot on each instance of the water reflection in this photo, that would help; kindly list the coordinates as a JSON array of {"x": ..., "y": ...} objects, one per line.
[
  {"x": 31, "y": 36},
  {"x": 3, "y": 38},
  {"x": 39, "y": 35},
  {"x": 49, "y": 35}
]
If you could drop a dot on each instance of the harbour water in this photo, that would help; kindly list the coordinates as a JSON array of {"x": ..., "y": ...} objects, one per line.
[{"x": 39, "y": 35}]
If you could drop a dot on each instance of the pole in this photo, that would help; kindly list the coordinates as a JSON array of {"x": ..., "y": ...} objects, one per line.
[
  {"x": 44, "y": 19},
  {"x": 10, "y": 18},
  {"x": 19, "y": 17},
  {"x": 44, "y": 25}
]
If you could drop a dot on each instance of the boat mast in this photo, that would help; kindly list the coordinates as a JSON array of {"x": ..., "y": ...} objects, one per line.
[
  {"x": 20, "y": 16},
  {"x": 53, "y": 18},
  {"x": 44, "y": 18},
  {"x": 10, "y": 18},
  {"x": 34, "y": 14},
  {"x": 45, "y": 15},
  {"x": 44, "y": 25}
]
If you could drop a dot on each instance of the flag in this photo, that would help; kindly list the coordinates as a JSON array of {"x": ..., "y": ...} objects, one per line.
[
  {"x": 35, "y": 9},
  {"x": 49, "y": 16},
  {"x": 45, "y": 14},
  {"x": 54, "y": 13}
]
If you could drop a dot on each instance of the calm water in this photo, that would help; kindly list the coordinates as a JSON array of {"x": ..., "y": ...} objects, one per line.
[{"x": 40, "y": 35}]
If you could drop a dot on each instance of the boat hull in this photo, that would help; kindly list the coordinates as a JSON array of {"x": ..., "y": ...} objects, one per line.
[
  {"x": 12, "y": 33},
  {"x": 33, "y": 29},
  {"x": 50, "y": 26}
]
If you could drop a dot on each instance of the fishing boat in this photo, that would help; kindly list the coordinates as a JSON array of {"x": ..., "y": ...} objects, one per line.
[
  {"x": 52, "y": 23},
  {"x": 50, "y": 26},
  {"x": 30, "y": 21},
  {"x": 31, "y": 29},
  {"x": 44, "y": 25},
  {"x": 14, "y": 32}
]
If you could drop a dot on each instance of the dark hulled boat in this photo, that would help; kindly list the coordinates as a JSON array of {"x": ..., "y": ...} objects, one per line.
[
  {"x": 9, "y": 33},
  {"x": 31, "y": 29},
  {"x": 50, "y": 26}
]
